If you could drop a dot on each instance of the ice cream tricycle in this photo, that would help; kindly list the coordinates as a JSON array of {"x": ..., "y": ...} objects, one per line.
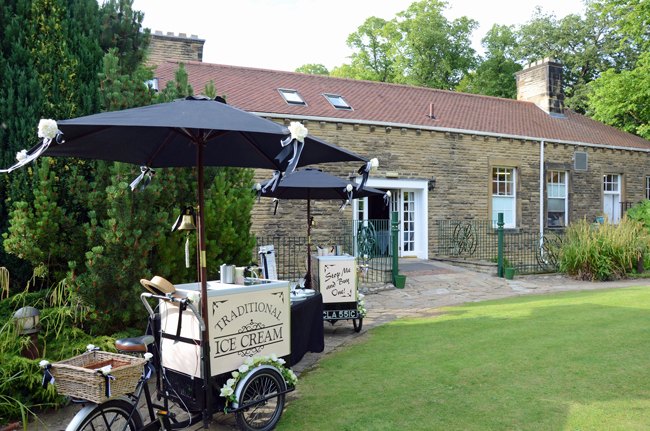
[{"x": 249, "y": 336}]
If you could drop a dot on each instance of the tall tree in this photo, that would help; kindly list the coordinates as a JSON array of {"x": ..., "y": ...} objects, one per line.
[
  {"x": 586, "y": 46},
  {"x": 621, "y": 98},
  {"x": 434, "y": 52},
  {"x": 495, "y": 75},
  {"x": 418, "y": 47},
  {"x": 122, "y": 29},
  {"x": 376, "y": 44},
  {"x": 313, "y": 69},
  {"x": 48, "y": 69}
]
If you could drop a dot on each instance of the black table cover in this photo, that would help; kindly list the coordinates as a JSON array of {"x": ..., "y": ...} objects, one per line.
[{"x": 306, "y": 328}]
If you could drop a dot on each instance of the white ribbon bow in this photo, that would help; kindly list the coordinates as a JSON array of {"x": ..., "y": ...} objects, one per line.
[
  {"x": 48, "y": 130},
  {"x": 146, "y": 173}
]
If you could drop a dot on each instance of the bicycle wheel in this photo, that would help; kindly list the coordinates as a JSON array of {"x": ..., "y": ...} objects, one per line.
[
  {"x": 110, "y": 415},
  {"x": 263, "y": 383}
]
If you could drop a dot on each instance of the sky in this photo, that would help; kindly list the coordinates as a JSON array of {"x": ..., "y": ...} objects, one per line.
[{"x": 285, "y": 34}]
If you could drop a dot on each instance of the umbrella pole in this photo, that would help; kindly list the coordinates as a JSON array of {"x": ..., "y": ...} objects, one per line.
[
  {"x": 308, "y": 276},
  {"x": 203, "y": 272}
]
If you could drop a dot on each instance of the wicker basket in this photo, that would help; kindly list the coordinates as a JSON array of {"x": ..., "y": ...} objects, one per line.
[{"x": 78, "y": 377}]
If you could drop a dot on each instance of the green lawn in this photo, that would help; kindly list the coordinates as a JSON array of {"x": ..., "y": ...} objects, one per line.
[{"x": 573, "y": 361}]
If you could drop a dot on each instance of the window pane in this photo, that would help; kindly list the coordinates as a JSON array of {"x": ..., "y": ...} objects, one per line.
[
  {"x": 502, "y": 182},
  {"x": 555, "y": 219},
  {"x": 556, "y": 205},
  {"x": 610, "y": 183},
  {"x": 292, "y": 97}
]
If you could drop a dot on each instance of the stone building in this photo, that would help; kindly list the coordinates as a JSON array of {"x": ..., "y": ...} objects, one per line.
[{"x": 446, "y": 155}]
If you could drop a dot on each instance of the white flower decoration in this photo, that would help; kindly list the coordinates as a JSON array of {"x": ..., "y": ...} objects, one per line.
[
  {"x": 348, "y": 188},
  {"x": 90, "y": 347},
  {"x": 21, "y": 155},
  {"x": 258, "y": 187},
  {"x": 47, "y": 129},
  {"x": 148, "y": 356},
  {"x": 106, "y": 370},
  {"x": 44, "y": 363},
  {"x": 251, "y": 364},
  {"x": 374, "y": 163},
  {"x": 298, "y": 131},
  {"x": 388, "y": 193}
]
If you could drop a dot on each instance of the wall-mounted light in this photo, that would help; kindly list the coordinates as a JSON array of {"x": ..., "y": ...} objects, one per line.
[{"x": 432, "y": 184}]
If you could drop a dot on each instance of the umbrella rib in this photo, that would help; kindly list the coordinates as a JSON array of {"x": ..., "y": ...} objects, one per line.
[
  {"x": 250, "y": 141},
  {"x": 167, "y": 141}
]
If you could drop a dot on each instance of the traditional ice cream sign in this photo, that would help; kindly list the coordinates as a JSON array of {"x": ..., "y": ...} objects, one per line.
[
  {"x": 256, "y": 323},
  {"x": 244, "y": 321}
]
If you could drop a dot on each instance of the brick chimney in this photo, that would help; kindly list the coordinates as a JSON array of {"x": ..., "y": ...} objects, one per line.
[
  {"x": 174, "y": 47},
  {"x": 541, "y": 83}
]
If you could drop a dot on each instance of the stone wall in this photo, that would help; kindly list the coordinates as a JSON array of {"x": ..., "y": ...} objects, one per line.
[
  {"x": 462, "y": 167},
  {"x": 179, "y": 47}
]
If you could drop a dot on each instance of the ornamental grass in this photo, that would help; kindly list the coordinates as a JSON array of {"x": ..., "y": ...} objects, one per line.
[{"x": 606, "y": 251}]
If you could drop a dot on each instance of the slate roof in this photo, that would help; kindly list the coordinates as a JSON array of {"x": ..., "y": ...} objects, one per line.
[{"x": 256, "y": 90}]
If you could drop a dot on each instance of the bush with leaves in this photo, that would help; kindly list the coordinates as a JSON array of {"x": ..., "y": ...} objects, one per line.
[
  {"x": 60, "y": 337},
  {"x": 604, "y": 251}
]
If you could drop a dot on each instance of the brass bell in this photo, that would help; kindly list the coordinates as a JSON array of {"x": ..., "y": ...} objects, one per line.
[{"x": 185, "y": 221}]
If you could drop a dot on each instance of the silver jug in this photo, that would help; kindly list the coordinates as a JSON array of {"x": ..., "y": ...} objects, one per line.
[{"x": 227, "y": 274}]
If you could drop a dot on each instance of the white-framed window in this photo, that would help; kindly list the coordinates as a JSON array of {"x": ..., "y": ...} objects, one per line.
[
  {"x": 647, "y": 187},
  {"x": 557, "y": 199},
  {"x": 504, "y": 197},
  {"x": 612, "y": 197}
]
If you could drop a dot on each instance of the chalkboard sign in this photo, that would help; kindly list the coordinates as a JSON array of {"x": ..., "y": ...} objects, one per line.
[{"x": 337, "y": 278}]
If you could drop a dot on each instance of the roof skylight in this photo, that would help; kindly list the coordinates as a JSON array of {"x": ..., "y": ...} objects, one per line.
[
  {"x": 292, "y": 97},
  {"x": 338, "y": 101}
]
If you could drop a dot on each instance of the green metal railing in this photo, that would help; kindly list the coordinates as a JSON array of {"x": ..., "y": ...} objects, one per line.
[
  {"x": 525, "y": 250},
  {"x": 368, "y": 240}
]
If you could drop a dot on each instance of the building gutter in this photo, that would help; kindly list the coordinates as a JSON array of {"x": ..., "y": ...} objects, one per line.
[
  {"x": 541, "y": 193},
  {"x": 446, "y": 130}
]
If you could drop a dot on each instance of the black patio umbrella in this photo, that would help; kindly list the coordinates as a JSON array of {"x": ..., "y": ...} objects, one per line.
[
  {"x": 308, "y": 184},
  {"x": 193, "y": 132}
]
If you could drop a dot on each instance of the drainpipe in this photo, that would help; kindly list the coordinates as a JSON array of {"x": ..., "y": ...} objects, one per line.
[{"x": 541, "y": 194}]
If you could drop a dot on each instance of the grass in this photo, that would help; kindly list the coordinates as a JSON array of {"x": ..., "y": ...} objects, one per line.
[{"x": 572, "y": 361}]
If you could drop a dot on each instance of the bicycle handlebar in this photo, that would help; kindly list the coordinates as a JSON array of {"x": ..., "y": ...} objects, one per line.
[{"x": 184, "y": 301}]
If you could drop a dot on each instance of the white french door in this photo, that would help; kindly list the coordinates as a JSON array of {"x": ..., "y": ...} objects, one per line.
[
  {"x": 409, "y": 200},
  {"x": 612, "y": 197},
  {"x": 407, "y": 217}
]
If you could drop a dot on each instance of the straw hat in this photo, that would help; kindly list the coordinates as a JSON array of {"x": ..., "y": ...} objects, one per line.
[{"x": 158, "y": 285}]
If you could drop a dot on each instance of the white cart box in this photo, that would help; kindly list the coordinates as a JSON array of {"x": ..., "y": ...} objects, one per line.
[
  {"x": 243, "y": 321},
  {"x": 337, "y": 278}
]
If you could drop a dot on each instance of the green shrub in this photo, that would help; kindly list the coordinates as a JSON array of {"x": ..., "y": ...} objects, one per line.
[
  {"x": 603, "y": 251},
  {"x": 641, "y": 213},
  {"x": 61, "y": 336}
]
